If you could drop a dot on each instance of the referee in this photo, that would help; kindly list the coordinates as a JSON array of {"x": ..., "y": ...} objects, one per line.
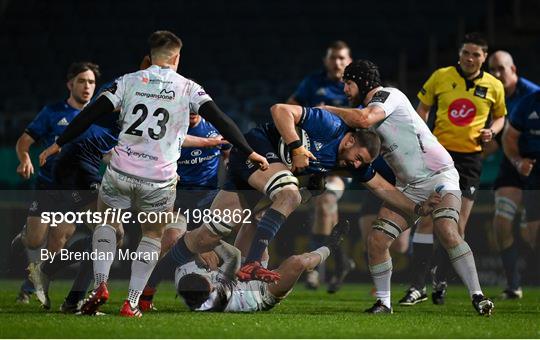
[{"x": 466, "y": 98}]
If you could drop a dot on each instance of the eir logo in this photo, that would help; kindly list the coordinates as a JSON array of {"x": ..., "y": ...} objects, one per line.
[{"x": 461, "y": 112}]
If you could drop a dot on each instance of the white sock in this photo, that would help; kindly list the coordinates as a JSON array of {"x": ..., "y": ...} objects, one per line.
[
  {"x": 148, "y": 256},
  {"x": 382, "y": 274},
  {"x": 462, "y": 260},
  {"x": 34, "y": 255},
  {"x": 104, "y": 245},
  {"x": 323, "y": 252}
]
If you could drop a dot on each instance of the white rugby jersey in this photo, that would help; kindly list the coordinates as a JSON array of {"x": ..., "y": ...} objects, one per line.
[
  {"x": 408, "y": 146},
  {"x": 154, "y": 117}
]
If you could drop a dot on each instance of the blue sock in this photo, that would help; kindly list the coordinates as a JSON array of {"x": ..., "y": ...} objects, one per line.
[
  {"x": 164, "y": 267},
  {"x": 84, "y": 278},
  {"x": 28, "y": 286},
  {"x": 509, "y": 258},
  {"x": 179, "y": 254},
  {"x": 266, "y": 230}
]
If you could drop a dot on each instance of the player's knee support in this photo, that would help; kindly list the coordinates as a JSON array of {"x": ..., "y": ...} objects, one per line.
[
  {"x": 505, "y": 208},
  {"x": 278, "y": 182},
  {"x": 180, "y": 224},
  {"x": 446, "y": 212},
  {"x": 388, "y": 227},
  {"x": 459, "y": 251},
  {"x": 381, "y": 268},
  {"x": 218, "y": 227}
]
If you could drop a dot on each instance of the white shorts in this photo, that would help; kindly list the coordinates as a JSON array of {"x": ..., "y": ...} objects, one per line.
[
  {"x": 122, "y": 191},
  {"x": 251, "y": 296},
  {"x": 446, "y": 182}
]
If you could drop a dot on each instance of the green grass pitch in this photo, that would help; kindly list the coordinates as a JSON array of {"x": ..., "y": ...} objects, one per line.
[{"x": 305, "y": 314}]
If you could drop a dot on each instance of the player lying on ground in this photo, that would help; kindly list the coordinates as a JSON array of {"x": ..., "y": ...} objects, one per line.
[{"x": 204, "y": 290}]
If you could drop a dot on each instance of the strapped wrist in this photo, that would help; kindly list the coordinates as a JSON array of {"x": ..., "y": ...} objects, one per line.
[{"x": 294, "y": 145}]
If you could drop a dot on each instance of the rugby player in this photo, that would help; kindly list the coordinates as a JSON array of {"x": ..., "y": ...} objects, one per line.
[
  {"x": 204, "y": 290},
  {"x": 154, "y": 112},
  {"x": 521, "y": 144},
  {"x": 44, "y": 129},
  {"x": 421, "y": 166},
  {"x": 509, "y": 184}
]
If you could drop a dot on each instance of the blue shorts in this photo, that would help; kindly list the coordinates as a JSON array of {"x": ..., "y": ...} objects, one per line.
[
  {"x": 240, "y": 168},
  {"x": 76, "y": 178},
  {"x": 194, "y": 198}
]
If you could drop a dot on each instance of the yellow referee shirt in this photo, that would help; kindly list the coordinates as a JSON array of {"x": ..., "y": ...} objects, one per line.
[{"x": 463, "y": 106}]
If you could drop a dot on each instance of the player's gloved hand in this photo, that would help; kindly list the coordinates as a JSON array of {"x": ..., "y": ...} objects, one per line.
[
  {"x": 524, "y": 165},
  {"x": 51, "y": 150},
  {"x": 425, "y": 208},
  {"x": 300, "y": 158},
  {"x": 259, "y": 160},
  {"x": 208, "y": 260},
  {"x": 25, "y": 169}
]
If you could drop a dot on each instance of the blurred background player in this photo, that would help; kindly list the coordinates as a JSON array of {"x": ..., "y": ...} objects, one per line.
[
  {"x": 198, "y": 169},
  {"x": 465, "y": 97},
  {"x": 521, "y": 144},
  {"x": 76, "y": 175},
  {"x": 509, "y": 184},
  {"x": 326, "y": 88},
  {"x": 44, "y": 129}
]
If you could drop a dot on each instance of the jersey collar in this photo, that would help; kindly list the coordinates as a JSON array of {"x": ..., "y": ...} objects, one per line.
[{"x": 469, "y": 83}]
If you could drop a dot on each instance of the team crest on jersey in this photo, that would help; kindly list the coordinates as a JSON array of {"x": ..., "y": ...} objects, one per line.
[
  {"x": 318, "y": 145},
  {"x": 480, "y": 91},
  {"x": 380, "y": 97}
]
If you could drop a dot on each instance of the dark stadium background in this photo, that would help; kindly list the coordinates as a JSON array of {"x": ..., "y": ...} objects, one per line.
[{"x": 248, "y": 55}]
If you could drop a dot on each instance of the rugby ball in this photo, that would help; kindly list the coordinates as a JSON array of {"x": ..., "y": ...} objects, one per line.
[{"x": 283, "y": 149}]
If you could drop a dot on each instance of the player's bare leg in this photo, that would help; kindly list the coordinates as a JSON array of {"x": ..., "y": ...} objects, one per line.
[{"x": 292, "y": 268}]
